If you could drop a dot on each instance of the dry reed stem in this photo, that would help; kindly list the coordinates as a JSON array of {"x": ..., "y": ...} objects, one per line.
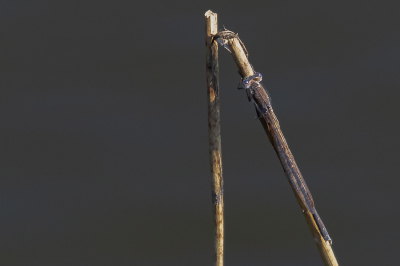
[
  {"x": 245, "y": 69},
  {"x": 212, "y": 73}
]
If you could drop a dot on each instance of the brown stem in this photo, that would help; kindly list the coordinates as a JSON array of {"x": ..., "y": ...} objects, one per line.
[
  {"x": 241, "y": 59},
  {"x": 212, "y": 73}
]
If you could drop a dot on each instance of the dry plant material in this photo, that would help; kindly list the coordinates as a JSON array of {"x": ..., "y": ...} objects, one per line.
[
  {"x": 214, "y": 129},
  {"x": 257, "y": 94}
]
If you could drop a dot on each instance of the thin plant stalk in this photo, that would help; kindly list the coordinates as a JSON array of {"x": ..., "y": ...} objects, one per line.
[
  {"x": 240, "y": 56},
  {"x": 214, "y": 129}
]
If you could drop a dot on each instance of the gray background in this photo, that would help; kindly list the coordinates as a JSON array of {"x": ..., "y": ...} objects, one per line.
[{"x": 104, "y": 145}]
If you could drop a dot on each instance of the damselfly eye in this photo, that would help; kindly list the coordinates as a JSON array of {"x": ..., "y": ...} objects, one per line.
[
  {"x": 246, "y": 82},
  {"x": 259, "y": 74}
]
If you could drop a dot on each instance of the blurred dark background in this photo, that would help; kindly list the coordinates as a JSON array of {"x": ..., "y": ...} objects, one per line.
[{"x": 104, "y": 141}]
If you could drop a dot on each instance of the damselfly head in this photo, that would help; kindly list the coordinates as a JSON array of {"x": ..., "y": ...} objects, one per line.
[
  {"x": 257, "y": 76},
  {"x": 246, "y": 83}
]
